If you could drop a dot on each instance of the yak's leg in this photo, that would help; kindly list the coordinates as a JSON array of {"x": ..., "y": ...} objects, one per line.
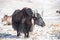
[
  {"x": 28, "y": 29},
  {"x": 27, "y": 34},
  {"x": 18, "y": 32}
]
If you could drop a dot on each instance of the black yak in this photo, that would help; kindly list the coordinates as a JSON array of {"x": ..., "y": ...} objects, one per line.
[{"x": 22, "y": 21}]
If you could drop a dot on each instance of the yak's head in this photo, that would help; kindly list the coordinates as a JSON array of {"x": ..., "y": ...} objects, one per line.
[{"x": 38, "y": 19}]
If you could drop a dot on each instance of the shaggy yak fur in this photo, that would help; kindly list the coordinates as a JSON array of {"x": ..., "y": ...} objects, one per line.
[{"x": 22, "y": 21}]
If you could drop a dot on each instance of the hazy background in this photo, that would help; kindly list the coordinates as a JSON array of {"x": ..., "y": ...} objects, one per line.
[{"x": 48, "y": 7}]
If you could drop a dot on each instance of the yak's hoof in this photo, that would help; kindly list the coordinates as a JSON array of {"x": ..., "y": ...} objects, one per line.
[
  {"x": 18, "y": 34},
  {"x": 26, "y": 36}
]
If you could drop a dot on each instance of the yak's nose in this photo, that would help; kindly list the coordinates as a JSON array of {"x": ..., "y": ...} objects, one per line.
[{"x": 43, "y": 24}]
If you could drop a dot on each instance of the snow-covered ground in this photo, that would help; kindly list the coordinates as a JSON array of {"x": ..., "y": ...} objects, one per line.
[
  {"x": 47, "y": 9},
  {"x": 49, "y": 32}
]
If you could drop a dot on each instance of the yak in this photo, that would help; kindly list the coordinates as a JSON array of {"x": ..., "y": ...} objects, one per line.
[{"x": 22, "y": 20}]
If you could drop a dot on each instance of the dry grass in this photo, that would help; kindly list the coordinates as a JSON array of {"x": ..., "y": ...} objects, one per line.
[
  {"x": 56, "y": 25},
  {"x": 54, "y": 31},
  {"x": 56, "y": 28}
]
